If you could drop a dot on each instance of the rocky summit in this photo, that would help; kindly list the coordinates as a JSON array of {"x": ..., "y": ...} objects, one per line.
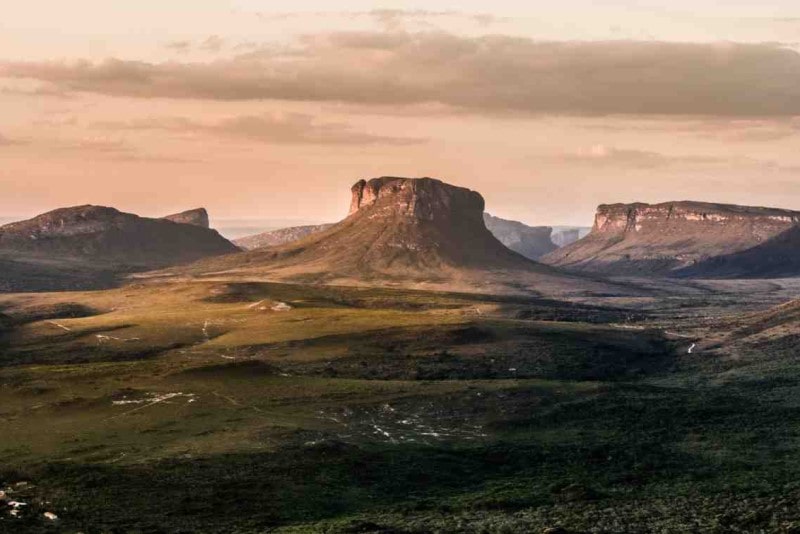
[
  {"x": 680, "y": 238},
  {"x": 195, "y": 217}
]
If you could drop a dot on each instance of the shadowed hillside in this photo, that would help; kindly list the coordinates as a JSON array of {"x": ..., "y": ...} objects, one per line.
[
  {"x": 87, "y": 246},
  {"x": 777, "y": 257}
]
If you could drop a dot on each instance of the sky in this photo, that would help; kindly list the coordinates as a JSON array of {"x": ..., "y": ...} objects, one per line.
[{"x": 258, "y": 112}]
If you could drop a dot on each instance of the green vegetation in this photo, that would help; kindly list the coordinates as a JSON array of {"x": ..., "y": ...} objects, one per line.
[{"x": 207, "y": 407}]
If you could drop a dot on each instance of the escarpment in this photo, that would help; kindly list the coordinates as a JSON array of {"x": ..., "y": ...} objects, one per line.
[{"x": 676, "y": 238}]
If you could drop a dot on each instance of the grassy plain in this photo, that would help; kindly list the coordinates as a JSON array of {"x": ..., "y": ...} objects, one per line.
[{"x": 211, "y": 406}]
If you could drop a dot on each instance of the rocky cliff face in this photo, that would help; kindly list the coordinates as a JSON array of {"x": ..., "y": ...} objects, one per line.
[
  {"x": 195, "y": 217},
  {"x": 672, "y": 237},
  {"x": 422, "y": 198},
  {"x": 691, "y": 216},
  {"x": 533, "y": 242}
]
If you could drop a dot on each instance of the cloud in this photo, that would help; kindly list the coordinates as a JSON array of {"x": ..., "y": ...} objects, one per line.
[
  {"x": 283, "y": 128},
  {"x": 214, "y": 43},
  {"x": 495, "y": 74},
  {"x": 398, "y": 19},
  {"x": 48, "y": 90},
  {"x": 92, "y": 147},
  {"x": 603, "y": 155},
  {"x": 6, "y": 141},
  {"x": 751, "y": 130},
  {"x": 393, "y": 19},
  {"x": 179, "y": 46}
]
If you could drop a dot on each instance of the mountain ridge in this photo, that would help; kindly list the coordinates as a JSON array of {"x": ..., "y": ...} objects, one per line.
[{"x": 671, "y": 238}]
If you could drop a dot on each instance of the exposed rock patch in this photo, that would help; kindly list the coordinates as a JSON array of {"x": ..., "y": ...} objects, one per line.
[{"x": 195, "y": 217}]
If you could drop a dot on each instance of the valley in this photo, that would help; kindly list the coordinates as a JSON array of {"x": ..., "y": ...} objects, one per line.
[{"x": 162, "y": 405}]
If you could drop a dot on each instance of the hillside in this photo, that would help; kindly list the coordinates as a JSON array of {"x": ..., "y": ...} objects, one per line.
[
  {"x": 530, "y": 241},
  {"x": 86, "y": 246},
  {"x": 681, "y": 238},
  {"x": 279, "y": 237}
]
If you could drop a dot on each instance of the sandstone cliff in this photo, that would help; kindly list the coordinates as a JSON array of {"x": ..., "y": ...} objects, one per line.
[{"x": 670, "y": 238}]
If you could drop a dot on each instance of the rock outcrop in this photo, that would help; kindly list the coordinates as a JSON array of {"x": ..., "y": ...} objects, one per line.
[
  {"x": 195, "y": 217},
  {"x": 87, "y": 246},
  {"x": 533, "y": 242},
  {"x": 673, "y": 238},
  {"x": 423, "y": 199}
]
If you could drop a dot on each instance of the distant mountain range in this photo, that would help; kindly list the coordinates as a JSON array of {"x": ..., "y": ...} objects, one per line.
[
  {"x": 403, "y": 231},
  {"x": 280, "y": 236},
  {"x": 687, "y": 239}
]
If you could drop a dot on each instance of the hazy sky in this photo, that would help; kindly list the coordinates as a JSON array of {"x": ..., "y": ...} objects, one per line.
[{"x": 253, "y": 111}]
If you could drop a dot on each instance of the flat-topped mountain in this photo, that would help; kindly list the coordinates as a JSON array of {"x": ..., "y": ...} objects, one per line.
[
  {"x": 533, "y": 242},
  {"x": 85, "y": 246},
  {"x": 399, "y": 224},
  {"x": 401, "y": 231},
  {"x": 196, "y": 217},
  {"x": 679, "y": 238}
]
